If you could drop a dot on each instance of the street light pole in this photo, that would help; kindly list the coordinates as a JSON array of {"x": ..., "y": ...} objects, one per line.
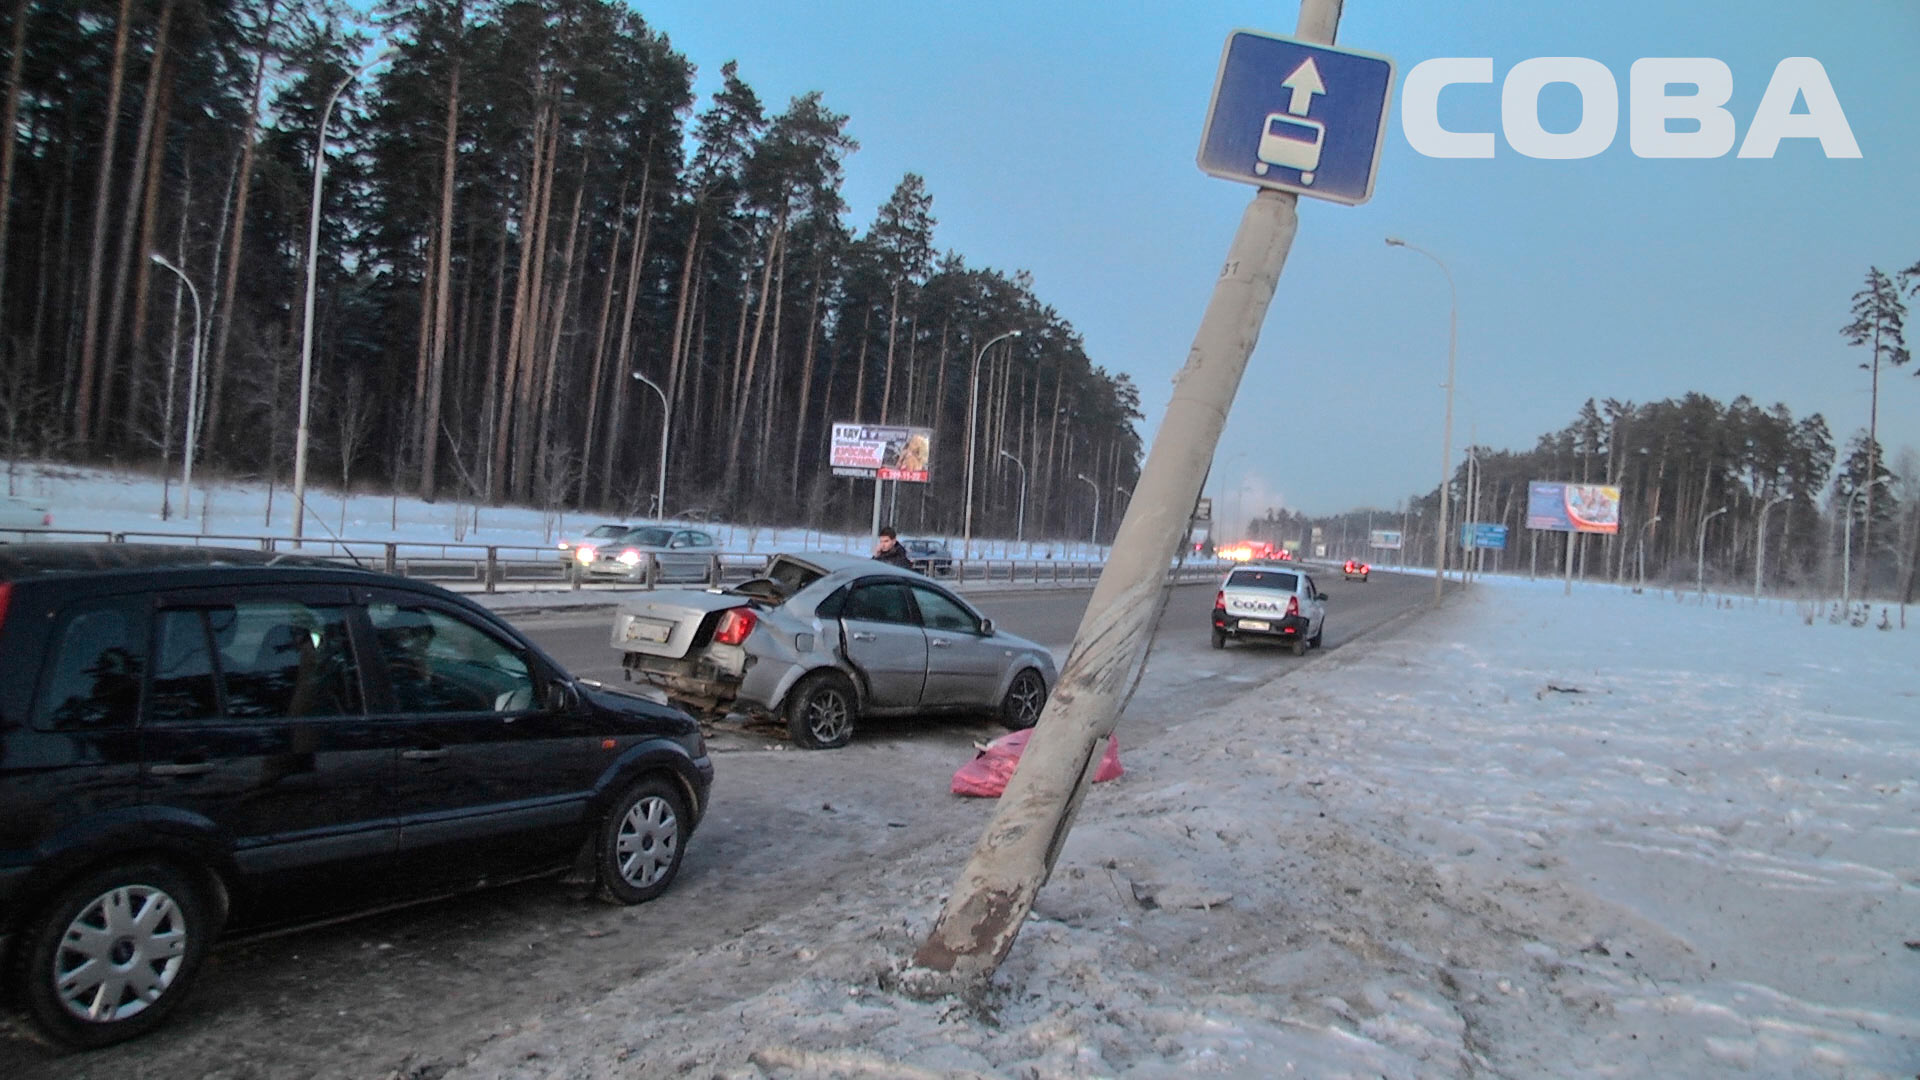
[
  {"x": 1094, "y": 539},
  {"x": 193, "y": 387},
  {"x": 1020, "y": 518},
  {"x": 1700, "y": 558},
  {"x": 973, "y": 409},
  {"x": 1641, "y": 554},
  {"x": 1760, "y": 544},
  {"x": 666, "y": 428},
  {"x": 1446, "y": 431},
  {"x": 306, "y": 331}
]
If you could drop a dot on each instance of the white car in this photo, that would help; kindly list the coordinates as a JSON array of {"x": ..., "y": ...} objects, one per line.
[
  {"x": 17, "y": 513},
  {"x": 1272, "y": 603}
]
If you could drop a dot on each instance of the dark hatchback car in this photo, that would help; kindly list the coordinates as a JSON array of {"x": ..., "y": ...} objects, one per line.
[
  {"x": 931, "y": 557},
  {"x": 196, "y": 742}
]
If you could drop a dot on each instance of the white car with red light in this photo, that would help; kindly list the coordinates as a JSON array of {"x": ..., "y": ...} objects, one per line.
[
  {"x": 821, "y": 639},
  {"x": 20, "y": 514},
  {"x": 1355, "y": 570},
  {"x": 1269, "y": 603}
]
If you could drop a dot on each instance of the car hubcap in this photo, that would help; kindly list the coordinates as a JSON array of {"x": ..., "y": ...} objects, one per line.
[
  {"x": 120, "y": 954},
  {"x": 649, "y": 835},
  {"x": 1028, "y": 699},
  {"x": 828, "y": 716}
]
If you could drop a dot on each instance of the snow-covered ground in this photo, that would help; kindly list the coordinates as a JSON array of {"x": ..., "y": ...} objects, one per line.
[
  {"x": 98, "y": 500},
  {"x": 1527, "y": 835}
]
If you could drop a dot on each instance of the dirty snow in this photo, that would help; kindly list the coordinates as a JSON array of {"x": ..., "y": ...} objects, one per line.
[{"x": 1528, "y": 835}]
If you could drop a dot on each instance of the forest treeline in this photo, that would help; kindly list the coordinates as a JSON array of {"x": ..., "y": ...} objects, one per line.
[{"x": 523, "y": 205}]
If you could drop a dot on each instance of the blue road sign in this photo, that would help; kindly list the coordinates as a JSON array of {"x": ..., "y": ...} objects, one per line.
[
  {"x": 1482, "y": 534},
  {"x": 1297, "y": 117}
]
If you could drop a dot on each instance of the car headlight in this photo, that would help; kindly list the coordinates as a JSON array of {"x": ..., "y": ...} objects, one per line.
[
  {"x": 583, "y": 554},
  {"x": 630, "y": 558}
]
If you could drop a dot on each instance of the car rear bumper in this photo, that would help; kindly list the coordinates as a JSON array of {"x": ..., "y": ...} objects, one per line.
[{"x": 1285, "y": 627}]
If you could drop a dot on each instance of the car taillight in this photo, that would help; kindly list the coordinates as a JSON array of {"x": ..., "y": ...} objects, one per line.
[
  {"x": 6, "y": 594},
  {"x": 734, "y": 626},
  {"x": 1220, "y": 600},
  {"x": 46, "y": 520},
  {"x": 1293, "y": 605}
]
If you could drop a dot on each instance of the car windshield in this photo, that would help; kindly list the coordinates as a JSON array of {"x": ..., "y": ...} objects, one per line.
[
  {"x": 648, "y": 537},
  {"x": 605, "y": 532},
  {"x": 1281, "y": 580},
  {"x": 922, "y": 547}
]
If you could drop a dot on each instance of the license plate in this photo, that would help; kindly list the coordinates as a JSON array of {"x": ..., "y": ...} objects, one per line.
[
  {"x": 1255, "y": 624},
  {"x": 648, "y": 630}
]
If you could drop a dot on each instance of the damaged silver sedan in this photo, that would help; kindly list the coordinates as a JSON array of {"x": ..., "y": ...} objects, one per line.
[{"x": 820, "y": 640}]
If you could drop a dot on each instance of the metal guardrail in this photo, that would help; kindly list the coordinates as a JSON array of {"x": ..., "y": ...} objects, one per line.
[{"x": 491, "y": 565}]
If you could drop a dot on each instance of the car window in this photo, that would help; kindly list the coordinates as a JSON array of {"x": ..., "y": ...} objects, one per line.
[
  {"x": 92, "y": 679},
  {"x": 700, "y": 539},
  {"x": 1311, "y": 590},
  {"x": 254, "y": 660},
  {"x": 885, "y": 601},
  {"x": 940, "y": 612},
  {"x": 1282, "y": 580},
  {"x": 438, "y": 663}
]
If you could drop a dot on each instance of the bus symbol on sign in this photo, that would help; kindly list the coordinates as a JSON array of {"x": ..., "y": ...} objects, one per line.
[{"x": 1291, "y": 142}]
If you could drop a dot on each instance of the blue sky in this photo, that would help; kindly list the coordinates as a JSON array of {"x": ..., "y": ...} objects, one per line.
[{"x": 1059, "y": 137}]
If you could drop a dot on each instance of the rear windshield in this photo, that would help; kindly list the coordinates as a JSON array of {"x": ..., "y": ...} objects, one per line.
[{"x": 1280, "y": 580}]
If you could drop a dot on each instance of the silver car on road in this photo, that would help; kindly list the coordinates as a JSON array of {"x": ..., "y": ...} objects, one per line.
[{"x": 821, "y": 639}]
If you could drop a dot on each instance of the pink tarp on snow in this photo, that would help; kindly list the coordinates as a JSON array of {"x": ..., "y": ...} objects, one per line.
[{"x": 987, "y": 774}]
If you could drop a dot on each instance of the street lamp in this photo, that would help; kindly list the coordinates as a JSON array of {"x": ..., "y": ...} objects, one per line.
[
  {"x": 1760, "y": 544},
  {"x": 1020, "y": 519},
  {"x": 1446, "y": 431},
  {"x": 306, "y": 331},
  {"x": 666, "y": 427},
  {"x": 1700, "y": 558},
  {"x": 193, "y": 388},
  {"x": 1641, "y": 554},
  {"x": 1095, "y": 538},
  {"x": 1846, "y": 559},
  {"x": 973, "y": 408}
]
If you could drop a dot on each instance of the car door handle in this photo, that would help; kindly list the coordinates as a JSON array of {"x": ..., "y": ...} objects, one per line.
[
  {"x": 940, "y": 643},
  {"x": 862, "y": 635},
  {"x": 193, "y": 768},
  {"x": 423, "y": 755}
]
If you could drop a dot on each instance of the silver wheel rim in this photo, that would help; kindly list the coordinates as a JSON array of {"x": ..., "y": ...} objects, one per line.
[
  {"x": 649, "y": 838},
  {"x": 1028, "y": 698},
  {"x": 829, "y": 718},
  {"x": 120, "y": 954}
]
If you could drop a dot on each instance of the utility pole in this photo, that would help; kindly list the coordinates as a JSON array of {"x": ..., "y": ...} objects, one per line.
[
  {"x": 1760, "y": 545},
  {"x": 994, "y": 893}
]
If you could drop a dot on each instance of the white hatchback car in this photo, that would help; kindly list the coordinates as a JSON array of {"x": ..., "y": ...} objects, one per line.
[{"x": 1274, "y": 603}]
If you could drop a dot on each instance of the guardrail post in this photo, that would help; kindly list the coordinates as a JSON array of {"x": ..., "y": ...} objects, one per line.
[
  {"x": 714, "y": 571},
  {"x": 653, "y": 571},
  {"x": 493, "y": 566},
  {"x": 573, "y": 573},
  {"x": 393, "y": 557}
]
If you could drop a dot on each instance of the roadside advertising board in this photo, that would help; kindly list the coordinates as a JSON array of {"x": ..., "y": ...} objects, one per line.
[
  {"x": 1587, "y": 508},
  {"x": 879, "y": 452},
  {"x": 1483, "y": 534},
  {"x": 1384, "y": 538}
]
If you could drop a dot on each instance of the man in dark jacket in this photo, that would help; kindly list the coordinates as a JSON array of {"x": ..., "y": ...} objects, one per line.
[{"x": 889, "y": 550}]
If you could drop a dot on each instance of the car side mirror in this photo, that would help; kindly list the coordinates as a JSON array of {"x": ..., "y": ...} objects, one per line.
[
  {"x": 1322, "y": 597},
  {"x": 986, "y": 627},
  {"x": 562, "y": 696}
]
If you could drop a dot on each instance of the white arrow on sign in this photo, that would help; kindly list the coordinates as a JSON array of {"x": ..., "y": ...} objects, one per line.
[{"x": 1304, "y": 82}]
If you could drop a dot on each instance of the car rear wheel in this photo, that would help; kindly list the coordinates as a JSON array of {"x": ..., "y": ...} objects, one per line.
[
  {"x": 1219, "y": 639},
  {"x": 1314, "y": 641},
  {"x": 1026, "y": 699},
  {"x": 1299, "y": 646},
  {"x": 113, "y": 953},
  {"x": 821, "y": 711},
  {"x": 641, "y": 841}
]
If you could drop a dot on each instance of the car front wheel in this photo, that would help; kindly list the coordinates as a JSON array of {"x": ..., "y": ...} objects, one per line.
[
  {"x": 1026, "y": 699},
  {"x": 821, "y": 711},
  {"x": 113, "y": 953},
  {"x": 641, "y": 842}
]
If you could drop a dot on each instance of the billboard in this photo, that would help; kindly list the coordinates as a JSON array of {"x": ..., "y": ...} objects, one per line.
[
  {"x": 1481, "y": 534},
  {"x": 1587, "y": 508},
  {"x": 1384, "y": 538},
  {"x": 878, "y": 452}
]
